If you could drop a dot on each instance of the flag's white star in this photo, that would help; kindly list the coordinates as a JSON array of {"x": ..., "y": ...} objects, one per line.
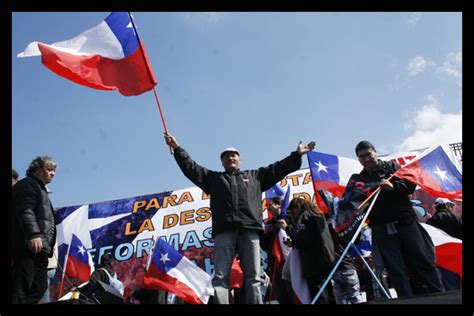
[
  {"x": 441, "y": 173},
  {"x": 81, "y": 249},
  {"x": 321, "y": 166},
  {"x": 164, "y": 258},
  {"x": 130, "y": 26}
]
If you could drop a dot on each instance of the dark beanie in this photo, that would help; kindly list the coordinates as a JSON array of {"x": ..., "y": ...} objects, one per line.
[{"x": 365, "y": 144}]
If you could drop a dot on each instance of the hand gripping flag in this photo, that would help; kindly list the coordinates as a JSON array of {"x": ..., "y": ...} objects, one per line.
[
  {"x": 108, "y": 56},
  {"x": 435, "y": 173},
  {"x": 79, "y": 262},
  {"x": 330, "y": 173},
  {"x": 170, "y": 271}
]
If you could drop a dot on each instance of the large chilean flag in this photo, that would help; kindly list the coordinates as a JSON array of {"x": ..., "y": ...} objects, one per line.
[
  {"x": 435, "y": 173},
  {"x": 330, "y": 173},
  {"x": 105, "y": 57}
]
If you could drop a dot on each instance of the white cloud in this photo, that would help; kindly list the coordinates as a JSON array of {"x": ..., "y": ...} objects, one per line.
[
  {"x": 429, "y": 126},
  {"x": 414, "y": 19},
  {"x": 204, "y": 17},
  {"x": 452, "y": 67},
  {"x": 417, "y": 65}
]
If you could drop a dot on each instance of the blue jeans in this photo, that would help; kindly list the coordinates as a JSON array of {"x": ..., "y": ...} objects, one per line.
[
  {"x": 346, "y": 287},
  {"x": 245, "y": 243},
  {"x": 46, "y": 298}
]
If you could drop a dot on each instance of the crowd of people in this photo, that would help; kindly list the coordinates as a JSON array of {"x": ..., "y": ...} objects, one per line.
[{"x": 403, "y": 254}]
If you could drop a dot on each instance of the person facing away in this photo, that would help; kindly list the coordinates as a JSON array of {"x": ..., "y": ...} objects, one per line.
[
  {"x": 309, "y": 232},
  {"x": 14, "y": 177},
  {"x": 236, "y": 207},
  {"x": 401, "y": 240},
  {"x": 33, "y": 231},
  {"x": 280, "y": 288},
  {"x": 445, "y": 219}
]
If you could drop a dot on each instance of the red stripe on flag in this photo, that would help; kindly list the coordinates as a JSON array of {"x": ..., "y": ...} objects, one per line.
[
  {"x": 448, "y": 257},
  {"x": 128, "y": 75},
  {"x": 156, "y": 279},
  {"x": 333, "y": 187},
  {"x": 77, "y": 269}
]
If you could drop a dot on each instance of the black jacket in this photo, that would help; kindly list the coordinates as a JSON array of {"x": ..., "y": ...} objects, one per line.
[
  {"x": 448, "y": 222},
  {"x": 236, "y": 199},
  {"x": 312, "y": 237},
  {"x": 32, "y": 214},
  {"x": 390, "y": 206}
]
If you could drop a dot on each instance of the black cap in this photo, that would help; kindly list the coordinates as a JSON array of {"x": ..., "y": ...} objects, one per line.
[{"x": 365, "y": 144}]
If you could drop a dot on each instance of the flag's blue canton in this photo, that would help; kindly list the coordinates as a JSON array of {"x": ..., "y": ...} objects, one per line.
[
  {"x": 77, "y": 250},
  {"x": 324, "y": 167},
  {"x": 438, "y": 165},
  {"x": 120, "y": 24},
  {"x": 165, "y": 257}
]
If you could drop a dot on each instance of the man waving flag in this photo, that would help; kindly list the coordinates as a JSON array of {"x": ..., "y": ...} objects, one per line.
[{"x": 109, "y": 56}]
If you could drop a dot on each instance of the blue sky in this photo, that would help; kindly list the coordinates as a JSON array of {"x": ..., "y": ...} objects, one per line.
[{"x": 256, "y": 81}]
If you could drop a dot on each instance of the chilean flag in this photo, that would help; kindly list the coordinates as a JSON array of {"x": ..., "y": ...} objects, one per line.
[
  {"x": 170, "y": 271},
  {"x": 105, "y": 57},
  {"x": 236, "y": 275},
  {"x": 299, "y": 285},
  {"x": 435, "y": 173},
  {"x": 79, "y": 262},
  {"x": 448, "y": 249},
  {"x": 277, "y": 191},
  {"x": 330, "y": 173}
]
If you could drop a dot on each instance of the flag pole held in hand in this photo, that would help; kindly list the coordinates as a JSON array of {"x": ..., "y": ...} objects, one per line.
[{"x": 150, "y": 76}]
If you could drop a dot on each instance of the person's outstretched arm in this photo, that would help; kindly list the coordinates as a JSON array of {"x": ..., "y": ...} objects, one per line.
[
  {"x": 193, "y": 171},
  {"x": 278, "y": 170}
]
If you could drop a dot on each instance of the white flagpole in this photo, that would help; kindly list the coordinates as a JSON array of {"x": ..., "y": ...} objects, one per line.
[
  {"x": 346, "y": 249},
  {"x": 65, "y": 268}
]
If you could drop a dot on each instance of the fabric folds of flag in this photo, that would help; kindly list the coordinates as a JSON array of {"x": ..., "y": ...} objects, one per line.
[
  {"x": 448, "y": 249},
  {"x": 299, "y": 284},
  {"x": 330, "y": 173},
  {"x": 105, "y": 57},
  {"x": 170, "y": 271},
  {"x": 79, "y": 262},
  {"x": 236, "y": 275},
  {"x": 435, "y": 173}
]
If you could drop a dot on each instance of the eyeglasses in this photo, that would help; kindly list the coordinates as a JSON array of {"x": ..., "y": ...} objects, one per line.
[{"x": 370, "y": 154}]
